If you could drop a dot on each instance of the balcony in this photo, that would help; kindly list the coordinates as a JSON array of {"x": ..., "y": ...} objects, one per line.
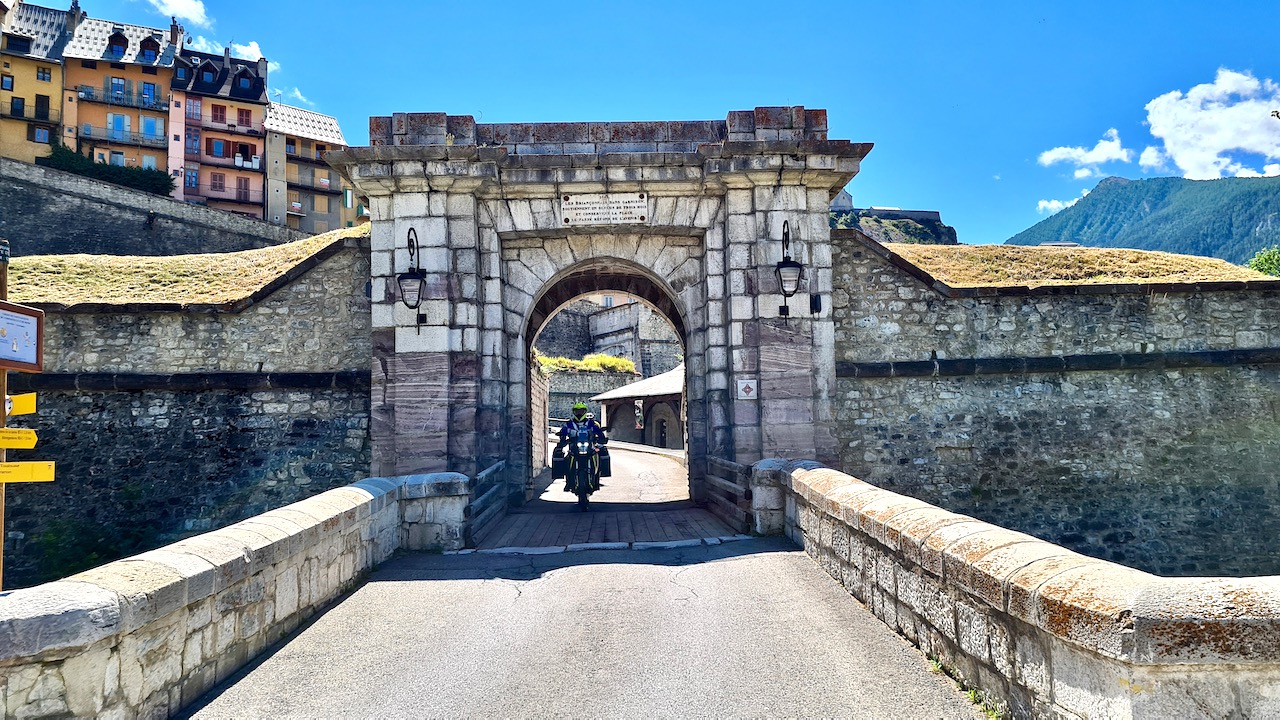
[
  {"x": 234, "y": 161},
  {"x": 313, "y": 157},
  {"x": 143, "y": 101},
  {"x": 123, "y": 137},
  {"x": 225, "y": 194},
  {"x": 226, "y": 125},
  {"x": 30, "y": 114},
  {"x": 319, "y": 185}
]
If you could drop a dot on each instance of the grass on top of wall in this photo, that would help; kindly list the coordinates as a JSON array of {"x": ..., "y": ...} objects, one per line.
[
  {"x": 213, "y": 278},
  {"x": 1005, "y": 265}
]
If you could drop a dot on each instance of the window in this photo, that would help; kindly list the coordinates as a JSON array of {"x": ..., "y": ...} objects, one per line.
[
  {"x": 18, "y": 45},
  {"x": 322, "y": 203},
  {"x": 6, "y": 82},
  {"x": 180, "y": 73},
  {"x": 217, "y": 181},
  {"x": 193, "y": 108},
  {"x": 608, "y": 301},
  {"x": 242, "y": 189},
  {"x": 206, "y": 76},
  {"x": 246, "y": 151},
  {"x": 91, "y": 64},
  {"x": 148, "y": 162},
  {"x": 320, "y": 150},
  {"x": 219, "y": 113},
  {"x": 42, "y": 107},
  {"x": 153, "y": 128},
  {"x": 149, "y": 93},
  {"x": 244, "y": 82},
  {"x": 291, "y": 146},
  {"x": 295, "y": 202},
  {"x": 214, "y": 147},
  {"x": 44, "y": 74},
  {"x": 117, "y": 45},
  {"x": 148, "y": 70},
  {"x": 320, "y": 227},
  {"x": 118, "y": 66},
  {"x": 18, "y": 107},
  {"x": 244, "y": 118},
  {"x": 117, "y": 88},
  {"x": 348, "y": 198},
  {"x": 38, "y": 134},
  {"x": 193, "y": 178},
  {"x": 150, "y": 51},
  {"x": 117, "y": 158}
]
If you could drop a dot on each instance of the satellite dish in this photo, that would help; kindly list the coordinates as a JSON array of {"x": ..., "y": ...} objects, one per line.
[{"x": 188, "y": 39}]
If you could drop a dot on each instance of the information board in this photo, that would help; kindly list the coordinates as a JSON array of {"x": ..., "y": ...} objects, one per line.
[{"x": 21, "y": 338}]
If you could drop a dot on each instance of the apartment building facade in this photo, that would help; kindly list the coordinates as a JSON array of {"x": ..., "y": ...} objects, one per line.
[
  {"x": 117, "y": 106},
  {"x": 32, "y": 39},
  {"x": 303, "y": 192},
  {"x": 224, "y": 101}
]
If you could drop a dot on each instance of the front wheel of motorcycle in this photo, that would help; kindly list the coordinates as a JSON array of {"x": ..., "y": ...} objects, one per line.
[{"x": 583, "y": 502}]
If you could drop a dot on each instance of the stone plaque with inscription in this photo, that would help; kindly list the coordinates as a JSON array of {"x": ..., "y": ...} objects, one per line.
[{"x": 604, "y": 209}]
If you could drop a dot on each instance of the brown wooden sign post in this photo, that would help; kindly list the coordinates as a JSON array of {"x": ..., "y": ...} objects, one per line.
[{"x": 21, "y": 349}]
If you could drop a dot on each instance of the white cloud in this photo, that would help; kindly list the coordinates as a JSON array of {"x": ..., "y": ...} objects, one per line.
[
  {"x": 191, "y": 11},
  {"x": 995, "y": 177},
  {"x": 296, "y": 94},
  {"x": 253, "y": 51},
  {"x": 1053, "y": 206},
  {"x": 1153, "y": 158},
  {"x": 203, "y": 44},
  {"x": 1087, "y": 160},
  {"x": 1209, "y": 130}
]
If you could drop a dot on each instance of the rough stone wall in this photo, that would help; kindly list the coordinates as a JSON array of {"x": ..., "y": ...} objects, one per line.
[
  {"x": 570, "y": 386},
  {"x": 1121, "y": 425},
  {"x": 169, "y": 423},
  {"x": 634, "y": 331},
  {"x": 50, "y": 212},
  {"x": 567, "y": 334}
]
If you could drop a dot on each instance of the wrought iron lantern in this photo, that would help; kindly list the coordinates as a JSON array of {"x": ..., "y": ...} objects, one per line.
[
  {"x": 789, "y": 272},
  {"x": 412, "y": 282}
]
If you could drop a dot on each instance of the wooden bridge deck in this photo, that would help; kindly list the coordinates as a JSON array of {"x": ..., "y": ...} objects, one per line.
[{"x": 549, "y": 529}]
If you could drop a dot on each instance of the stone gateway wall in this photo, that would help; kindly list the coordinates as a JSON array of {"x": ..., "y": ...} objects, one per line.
[{"x": 1119, "y": 422}]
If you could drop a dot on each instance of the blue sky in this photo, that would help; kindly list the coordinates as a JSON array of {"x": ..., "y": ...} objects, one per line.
[{"x": 996, "y": 114}]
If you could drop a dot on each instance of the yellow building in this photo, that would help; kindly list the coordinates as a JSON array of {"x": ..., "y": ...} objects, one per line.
[
  {"x": 30, "y": 78},
  {"x": 224, "y": 141},
  {"x": 116, "y": 96}
]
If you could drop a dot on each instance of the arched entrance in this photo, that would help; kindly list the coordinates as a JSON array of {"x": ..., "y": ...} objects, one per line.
[
  {"x": 606, "y": 273},
  {"x": 515, "y": 219}
]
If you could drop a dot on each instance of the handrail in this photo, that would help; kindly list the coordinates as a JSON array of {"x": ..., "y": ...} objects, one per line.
[
  {"x": 123, "y": 136},
  {"x": 128, "y": 99}
]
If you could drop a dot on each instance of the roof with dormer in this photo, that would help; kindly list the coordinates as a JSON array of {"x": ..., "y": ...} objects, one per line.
[
  {"x": 46, "y": 28},
  {"x": 295, "y": 121},
  {"x": 226, "y": 70},
  {"x": 93, "y": 36}
]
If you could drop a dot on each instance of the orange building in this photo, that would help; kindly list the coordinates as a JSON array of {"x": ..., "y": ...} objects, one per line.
[
  {"x": 224, "y": 143},
  {"x": 116, "y": 102},
  {"x": 31, "y": 41}
]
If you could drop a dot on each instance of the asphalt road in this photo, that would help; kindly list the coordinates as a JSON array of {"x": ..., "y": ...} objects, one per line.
[
  {"x": 751, "y": 628},
  {"x": 638, "y": 477}
]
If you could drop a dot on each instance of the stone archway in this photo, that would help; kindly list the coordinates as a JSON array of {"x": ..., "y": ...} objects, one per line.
[{"x": 496, "y": 210}]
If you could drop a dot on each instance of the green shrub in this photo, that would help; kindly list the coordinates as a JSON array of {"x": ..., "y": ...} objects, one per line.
[
  {"x": 63, "y": 158},
  {"x": 596, "y": 362},
  {"x": 1267, "y": 260}
]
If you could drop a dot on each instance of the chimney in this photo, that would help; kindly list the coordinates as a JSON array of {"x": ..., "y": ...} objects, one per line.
[
  {"x": 262, "y": 70},
  {"x": 74, "y": 16},
  {"x": 175, "y": 33},
  {"x": 226, "y": 57}
]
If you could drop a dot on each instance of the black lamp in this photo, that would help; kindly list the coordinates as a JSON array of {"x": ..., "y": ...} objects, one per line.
[
  {"x": 789, "y": 272},
  {"x": 414, "y": 281}
]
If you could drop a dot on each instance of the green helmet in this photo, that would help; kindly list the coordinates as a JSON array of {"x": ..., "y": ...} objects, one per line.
[{"x": 579, "y": 410}]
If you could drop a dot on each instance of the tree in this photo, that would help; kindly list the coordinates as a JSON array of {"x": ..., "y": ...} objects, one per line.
[{"x": 1267, "y": 260}]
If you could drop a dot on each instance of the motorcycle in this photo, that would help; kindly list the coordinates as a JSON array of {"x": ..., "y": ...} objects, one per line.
[{"x": 587, "y": 462}]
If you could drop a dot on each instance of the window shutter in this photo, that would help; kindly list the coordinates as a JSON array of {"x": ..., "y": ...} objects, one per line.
[{"x": 208, "y": 146}]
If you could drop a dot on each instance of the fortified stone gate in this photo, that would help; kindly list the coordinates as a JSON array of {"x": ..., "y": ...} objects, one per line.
[{"x": 503, "y": 214}]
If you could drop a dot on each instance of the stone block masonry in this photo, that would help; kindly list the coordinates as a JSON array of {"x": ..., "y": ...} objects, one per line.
[
  {"x": 50, "y": 212},
  {"x": 146, "y": 636},
  {"x": 1043, "y": 631}
]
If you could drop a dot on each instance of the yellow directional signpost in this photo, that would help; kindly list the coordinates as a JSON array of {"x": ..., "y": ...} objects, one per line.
[{"x": 21, "y": 349}]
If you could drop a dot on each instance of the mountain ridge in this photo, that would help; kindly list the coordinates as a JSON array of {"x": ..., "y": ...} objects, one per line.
[{"x": 1230, "y": 218}]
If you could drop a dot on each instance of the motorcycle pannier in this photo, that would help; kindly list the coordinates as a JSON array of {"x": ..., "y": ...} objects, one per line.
[
  {"x": 605, "y": 465},
  {"x": 559, "y": 467}
]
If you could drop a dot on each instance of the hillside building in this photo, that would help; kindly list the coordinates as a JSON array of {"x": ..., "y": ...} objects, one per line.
[
  {"x": 224, "y": 103},
  {"x": 30, "y": 78},
  {"x": 117, "y": 106},
  {"x": 303, "y": 192}
]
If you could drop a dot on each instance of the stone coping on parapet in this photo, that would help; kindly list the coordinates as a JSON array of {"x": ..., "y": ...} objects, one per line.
[
  {"x": 1115, "y": 611},
  {"x": 1051, "y": 288},
  {"x": 178, "y": 283},
  {"x": 569, "y": 155},
  {"x": 965, "y": 367}
]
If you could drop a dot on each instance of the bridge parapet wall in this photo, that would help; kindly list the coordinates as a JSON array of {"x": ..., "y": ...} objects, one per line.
[
  {"x": 146, "y": 636},
  {"x": 1044, "y": 631}
]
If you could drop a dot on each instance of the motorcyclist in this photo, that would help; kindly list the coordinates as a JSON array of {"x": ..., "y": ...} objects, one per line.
[{"x": 569, "y": 432}]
